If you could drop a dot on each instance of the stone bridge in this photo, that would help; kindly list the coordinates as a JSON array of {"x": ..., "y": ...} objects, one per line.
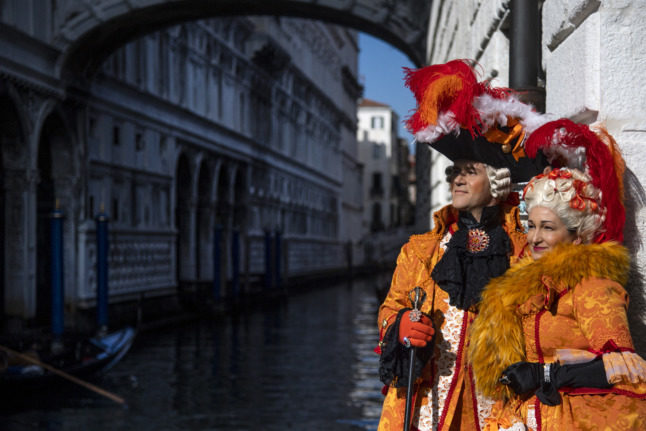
[{"x": 87, "y": 31}]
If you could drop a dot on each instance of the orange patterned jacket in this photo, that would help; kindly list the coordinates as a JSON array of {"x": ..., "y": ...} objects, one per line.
[
  {"x": 568, "y": 304},
  {"x": 444, "y": 393}
]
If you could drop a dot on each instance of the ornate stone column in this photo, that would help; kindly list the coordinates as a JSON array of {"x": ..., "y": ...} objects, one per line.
[{"x": 20, "y": 238}]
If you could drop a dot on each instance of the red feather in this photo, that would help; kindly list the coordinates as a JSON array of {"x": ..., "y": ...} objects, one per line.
[
  {"x": 599, "y": 162},
  {"x": 441, "y": 88},
  {"x": 448, "y": 87}
]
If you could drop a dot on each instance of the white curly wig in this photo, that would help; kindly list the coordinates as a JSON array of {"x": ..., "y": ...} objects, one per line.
[
  {"x": 569, "y": 193},
  {"x": 499, "y": 180}
]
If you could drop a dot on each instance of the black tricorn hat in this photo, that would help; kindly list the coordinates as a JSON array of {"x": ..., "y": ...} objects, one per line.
[
  {"x": 479, "y": 149},
  {"x": 466, "y": 119}
]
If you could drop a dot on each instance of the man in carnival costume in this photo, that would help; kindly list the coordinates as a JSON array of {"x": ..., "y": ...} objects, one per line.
[
  {"x": 551, "y": 342},
  {"x": 483, "y": 131}
]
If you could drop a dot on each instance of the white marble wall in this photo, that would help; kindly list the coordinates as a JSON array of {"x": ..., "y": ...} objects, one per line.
[{"x": 593, "y": 58}]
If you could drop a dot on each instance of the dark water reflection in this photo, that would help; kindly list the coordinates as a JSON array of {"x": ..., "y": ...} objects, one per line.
[{"x": 302, "y": 363}]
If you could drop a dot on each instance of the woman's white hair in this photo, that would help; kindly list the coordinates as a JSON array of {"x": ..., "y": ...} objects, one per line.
[{"x": 557, "y": 193}]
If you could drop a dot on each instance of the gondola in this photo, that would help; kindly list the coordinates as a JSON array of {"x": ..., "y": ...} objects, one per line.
[{"x": 75, "y": 355}]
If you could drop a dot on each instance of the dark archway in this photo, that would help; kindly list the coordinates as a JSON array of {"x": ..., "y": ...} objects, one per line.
[
  {"x": 45, "y": 204},
  {"x": 223, "y": 219},
  {"x": 222, "y": 202},
  {"x": 204, "y": 225},
  {"x": 239, "y": 201},
  {"x": 183, "y": 187},
  {"x": 56, "y": 170}
]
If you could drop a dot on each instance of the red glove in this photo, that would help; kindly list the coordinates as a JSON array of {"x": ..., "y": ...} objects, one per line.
[{"x": 418, "y": 333}]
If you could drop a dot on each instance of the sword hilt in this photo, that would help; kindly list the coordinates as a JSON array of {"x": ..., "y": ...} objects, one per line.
[{"x": 417, "y": 297}]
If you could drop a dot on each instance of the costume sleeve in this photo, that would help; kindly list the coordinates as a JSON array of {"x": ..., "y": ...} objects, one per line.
[
  {"x": 600, "y": 309},
  {"x": 405, "y": 277}
]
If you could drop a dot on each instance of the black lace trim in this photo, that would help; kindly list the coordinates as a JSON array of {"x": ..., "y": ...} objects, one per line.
[
  {"x": 395, "y": 358},
  {"x": 462, "y": 273}
]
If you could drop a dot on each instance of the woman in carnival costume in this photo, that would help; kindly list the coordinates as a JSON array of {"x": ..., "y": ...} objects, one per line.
[
  {"x": 551, "y": 342},
  {"x": 482, "y": 130}
]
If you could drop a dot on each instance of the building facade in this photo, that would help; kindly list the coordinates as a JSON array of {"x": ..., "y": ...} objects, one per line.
[
  {"x": 386, "y": 168},
  {"x": 215, "y": 147}
]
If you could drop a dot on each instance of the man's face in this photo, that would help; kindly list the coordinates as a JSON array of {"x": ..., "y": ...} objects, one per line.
[{"x": 470, "y": 188}]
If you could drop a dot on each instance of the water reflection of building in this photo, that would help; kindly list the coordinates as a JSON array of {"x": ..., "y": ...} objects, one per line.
[{"x": 237, "y": 129}]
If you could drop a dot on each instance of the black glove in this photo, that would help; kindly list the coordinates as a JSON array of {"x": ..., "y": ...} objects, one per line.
[
  {"x": 585, "y": 375},
  {"x": 524, "y": 377}
]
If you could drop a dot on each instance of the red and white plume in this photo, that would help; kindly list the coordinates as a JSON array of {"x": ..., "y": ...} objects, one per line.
[
  {"x": 592, "y": 150},
  {"x": 449, "y": 98}
]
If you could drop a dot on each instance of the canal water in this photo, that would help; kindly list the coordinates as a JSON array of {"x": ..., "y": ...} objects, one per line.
[{"x": 305, "y": 362}]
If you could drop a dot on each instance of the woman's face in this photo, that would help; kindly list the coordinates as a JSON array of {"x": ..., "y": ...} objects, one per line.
[
  {"x": 470, "y": 188},
  {"x": 545, "y": 230}
]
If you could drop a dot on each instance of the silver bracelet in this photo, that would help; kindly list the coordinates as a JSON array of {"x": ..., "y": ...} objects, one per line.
[{"x": 546, "y": 372}]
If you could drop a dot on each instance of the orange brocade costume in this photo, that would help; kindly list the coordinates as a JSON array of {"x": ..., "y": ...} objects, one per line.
[
  {"x": 444, "y": 394},
  {"x": 568, "y": 303}
]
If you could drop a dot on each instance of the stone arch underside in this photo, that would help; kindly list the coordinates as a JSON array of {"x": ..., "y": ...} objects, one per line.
[{"x": 89, "y": 34}]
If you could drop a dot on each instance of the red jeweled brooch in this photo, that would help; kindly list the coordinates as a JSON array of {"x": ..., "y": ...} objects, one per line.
[{"x": 478, "y": 240}]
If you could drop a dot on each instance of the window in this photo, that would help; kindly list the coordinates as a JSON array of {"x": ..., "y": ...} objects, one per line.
[
  {"x": 376, "y": 179},
  {"x": 376, "y": 224},
  {"x": 92, "y": 126},
  {"x": 115, "y": 209},
  {"x": 90, "y": 207},
  {"x": 376, "y": 151},
  {"x": 139, "y": 141},
  {"x": 116, "y": 136},
  {"x": 377, "y": 122}
]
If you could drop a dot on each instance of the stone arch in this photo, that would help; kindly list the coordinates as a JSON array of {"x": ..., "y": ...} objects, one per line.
[{"x": 89, "y": 35}]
